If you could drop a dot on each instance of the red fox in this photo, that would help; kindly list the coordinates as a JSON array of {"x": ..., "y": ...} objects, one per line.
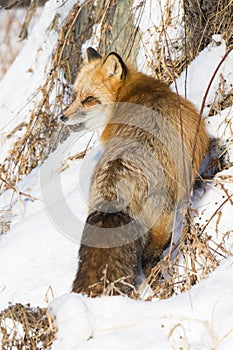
[{"x": 154, "y": 144}]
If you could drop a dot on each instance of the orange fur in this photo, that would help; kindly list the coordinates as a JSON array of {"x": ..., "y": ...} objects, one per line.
[{"x": 142, "y": 194}]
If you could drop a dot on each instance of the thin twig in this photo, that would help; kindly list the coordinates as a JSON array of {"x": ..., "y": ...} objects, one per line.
[
  {"x": 9, "y": 7},
  {"x": 216, "y": 212},
  {"x": 205, "y": 97},
  {"x": 20, "y": 193},
  {"x": 31, "y": 10}
]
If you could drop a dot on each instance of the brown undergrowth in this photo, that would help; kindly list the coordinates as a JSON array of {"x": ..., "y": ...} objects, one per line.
[{"x": 26, "y": 328}]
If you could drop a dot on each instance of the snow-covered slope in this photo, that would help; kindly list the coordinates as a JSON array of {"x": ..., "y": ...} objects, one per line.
[
  {"x": 200, "y": 320},
  {"x": 38, "y": 256}
]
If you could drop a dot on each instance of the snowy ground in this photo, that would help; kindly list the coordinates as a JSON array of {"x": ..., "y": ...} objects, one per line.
[
  {"x": 38, "y": 256},
  {"x": 10, "y": 26}
]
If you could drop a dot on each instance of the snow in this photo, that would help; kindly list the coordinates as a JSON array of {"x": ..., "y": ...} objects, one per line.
[
  {"x": 201, "y": 70},
  {"x": 152, "y": 17},
  {"x": 221, "y": 125},
  {"x": 201, "y": 318},
  {"x": 38, "y": 256},
  {"x": 28, "y": 72},
  {"x": 10, "y": 26}
]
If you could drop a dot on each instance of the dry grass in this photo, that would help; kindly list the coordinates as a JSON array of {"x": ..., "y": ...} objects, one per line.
[
  {"x": 202, "y": 19},
  {"x": 26, "y": 328},
  {"x": 205, "y": 18},
  {"x": 197, "y": 255},
  {"x": 5, "y": 221}
]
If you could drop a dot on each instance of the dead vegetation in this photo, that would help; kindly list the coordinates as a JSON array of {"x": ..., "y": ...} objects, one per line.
[
  {"x": 193, "y": 258},
  {"x": 197, "y": 253},
  {"x": 26, "y": 328},
  {"x": 205, "y": 18}
]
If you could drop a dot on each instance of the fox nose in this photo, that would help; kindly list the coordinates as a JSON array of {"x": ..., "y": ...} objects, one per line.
[{"x": 63, "y": 118}]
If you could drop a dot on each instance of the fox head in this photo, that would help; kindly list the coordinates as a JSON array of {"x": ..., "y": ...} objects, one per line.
[{"x": 96, "y": 88}]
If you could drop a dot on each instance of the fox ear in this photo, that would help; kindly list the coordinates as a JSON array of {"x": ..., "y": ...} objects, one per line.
[
  {"x": 114, "y": 66},
  {"x": 92, "y": 54}
]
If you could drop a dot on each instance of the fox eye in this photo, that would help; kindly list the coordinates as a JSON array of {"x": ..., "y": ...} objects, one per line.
[{"x": 88, "y": 99}]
